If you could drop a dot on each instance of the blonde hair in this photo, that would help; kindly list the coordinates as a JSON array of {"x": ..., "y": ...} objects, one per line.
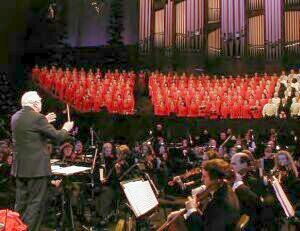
[
  {"x": 291, "y": 164},
  {"x": 123, "y": 149}
]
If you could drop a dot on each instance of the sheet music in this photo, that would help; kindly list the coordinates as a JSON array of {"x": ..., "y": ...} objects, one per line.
[
  {"x": 55, "y": 167},
  {"x": 68, "y": 170},
  {"x": 52, "y": 161},
  {"x": 284, "y": 201},
  {"x": 140, "y": 196}
]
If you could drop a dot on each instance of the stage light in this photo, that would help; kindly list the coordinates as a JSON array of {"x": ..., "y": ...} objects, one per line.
[{"x": 98, "y": 5}]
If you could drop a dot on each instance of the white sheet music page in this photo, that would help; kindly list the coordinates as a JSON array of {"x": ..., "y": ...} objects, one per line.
[
  {"x": 284, "y": 201},
  {"x": 70, "y": 170},
  {"x": 140, "y": 196},
  {"x": 55, "y": 167}
]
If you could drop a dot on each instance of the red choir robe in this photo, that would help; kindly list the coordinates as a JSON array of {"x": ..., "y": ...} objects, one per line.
[
  {"x": 193, "y": 109},
  {"x": 97, "y": 103},
  {"x": 263, "y": 102},
  {"x": 160, "y": 110},
  {"x": 235, "y": 111},
  {"x": 182, "y": 111},
  {"x": 213, "y": 111},
  {"x": 203, "y": 109},
  {"x": 87, "y": 104},
  {"x": 78, "y": 103},
  {"x": 127, "y": 108},
  {"x": 245, "y": 112},
  {"x": 171, "y": 108},
  {"x": 114, "y": 107},
  {"x": 257, "y": 112},
  {"x": 224, "y": 111}
]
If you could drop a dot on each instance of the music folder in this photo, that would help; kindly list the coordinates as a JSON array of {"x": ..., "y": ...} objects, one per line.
[{"x": 140, "y": 196}]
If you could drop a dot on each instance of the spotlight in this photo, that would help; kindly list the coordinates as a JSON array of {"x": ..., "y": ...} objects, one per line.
[{"x": 97, "y": 5}]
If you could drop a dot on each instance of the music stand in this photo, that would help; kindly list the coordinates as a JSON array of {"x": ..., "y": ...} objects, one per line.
[
  {"x": 141, "y": 198},
  {"x": 66, "y": 172}
]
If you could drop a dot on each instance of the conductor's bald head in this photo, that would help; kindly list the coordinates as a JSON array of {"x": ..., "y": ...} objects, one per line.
[{"x": 33, "y": 100}]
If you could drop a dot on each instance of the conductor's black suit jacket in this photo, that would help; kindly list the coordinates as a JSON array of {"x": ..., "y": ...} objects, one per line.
[{"x": 30, "y": 132}]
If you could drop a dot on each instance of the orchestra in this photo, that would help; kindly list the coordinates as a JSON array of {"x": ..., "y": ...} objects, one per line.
[
  {"x": 202, "y": 182},
  {"x": 205, "y": 184}
]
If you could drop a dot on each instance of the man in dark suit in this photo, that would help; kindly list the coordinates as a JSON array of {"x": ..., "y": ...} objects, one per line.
[
  {"x": 249, "y": 201},
  {"x": 222, "y": 211},
  {"x": 285, "y": 106},
  {"x": 31, "y": 160}
]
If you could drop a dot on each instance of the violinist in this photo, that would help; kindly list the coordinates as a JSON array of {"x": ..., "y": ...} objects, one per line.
[
  {"x": 222, "y": 209},
  {"x": 249, "y": 201},
  {"x": 105, "y": 197},
  {"x": 286, "y": 172}
]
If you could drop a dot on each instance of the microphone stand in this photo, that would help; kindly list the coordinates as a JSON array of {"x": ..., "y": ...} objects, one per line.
[
  {"x": 128, "y": 171},
  {"x": 152, "y": 184},
  {"x": 92, "y": 173}
]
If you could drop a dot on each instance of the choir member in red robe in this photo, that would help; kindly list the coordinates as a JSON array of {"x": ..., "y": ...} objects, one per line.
[
  {"x": 225, "y": 110},
  {"x": 245, "y": 111},
  {"x": 193, "y": 110},
  {"x": 213, "y": 111},
  {"x": 160, "y": 109},
  {"x": 256, "y": 110},
  {"x": 235, "y": 111},
  {"x": 171, "y": 107},
  {"x": 203, "y": 109},
  {"x": 182, "y": 109}
]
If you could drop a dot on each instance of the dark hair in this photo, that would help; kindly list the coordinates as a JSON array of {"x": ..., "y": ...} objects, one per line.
[{"x": 217, "y": 169}]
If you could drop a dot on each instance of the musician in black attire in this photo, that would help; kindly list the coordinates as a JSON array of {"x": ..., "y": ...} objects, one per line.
[
  {"x": 285, "y": 106},
  {"x": 222, "y": 211},
  {"x": 249, "y": 201},
  {"x": 107, "y": 183},
  {"x": 31, "y": 160},
  {"x": 287, "y": 173},
  {"x": 159, "y": 137}
]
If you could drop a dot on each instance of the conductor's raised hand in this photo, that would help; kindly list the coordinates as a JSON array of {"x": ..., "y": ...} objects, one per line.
[
  {"x": 68, "y": 126},
  {"x": 51, "y": 117}
]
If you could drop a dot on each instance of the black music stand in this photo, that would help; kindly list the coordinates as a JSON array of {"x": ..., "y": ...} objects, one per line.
[
  {"x": 66, "y": 173},
  {"x": 142, "y": 201}
]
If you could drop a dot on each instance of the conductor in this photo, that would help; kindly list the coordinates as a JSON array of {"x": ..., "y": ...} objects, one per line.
[{"x": 31, "y": 160}]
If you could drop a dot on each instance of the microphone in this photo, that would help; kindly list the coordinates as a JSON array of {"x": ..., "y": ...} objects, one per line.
[{"x": 92, "y": 137}]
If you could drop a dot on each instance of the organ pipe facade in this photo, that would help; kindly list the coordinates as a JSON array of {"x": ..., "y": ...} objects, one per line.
[
  {"x": 233, "y": 28},
  {"x": 145, "y": 24},
  {"x": 273, "y": 28},
  {"x": 214, "y": 30},
  {"x": 169, "y": 29},
  {"x": 159, "y": 28},
  {"x": 181, "y": 30},
  {"x": 256, "y": 27}
]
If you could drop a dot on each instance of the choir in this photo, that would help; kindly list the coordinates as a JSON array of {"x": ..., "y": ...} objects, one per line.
[
  {"x": 203, "y": 96},
  {"x": 89, "y": 92}
]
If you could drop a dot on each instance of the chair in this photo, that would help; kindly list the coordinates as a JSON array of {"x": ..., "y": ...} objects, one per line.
[{"x": 242, "y": 223}]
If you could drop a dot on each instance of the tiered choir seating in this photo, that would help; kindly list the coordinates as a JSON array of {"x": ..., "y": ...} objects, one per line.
[
  {"x": 211, "y": 97},
  {"x": 89, "y": 92}
]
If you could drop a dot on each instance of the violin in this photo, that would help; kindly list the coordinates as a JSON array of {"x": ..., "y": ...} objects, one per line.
[
  {"x": 186, "y": 175},
  {"x": 202, "y": 199}
]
